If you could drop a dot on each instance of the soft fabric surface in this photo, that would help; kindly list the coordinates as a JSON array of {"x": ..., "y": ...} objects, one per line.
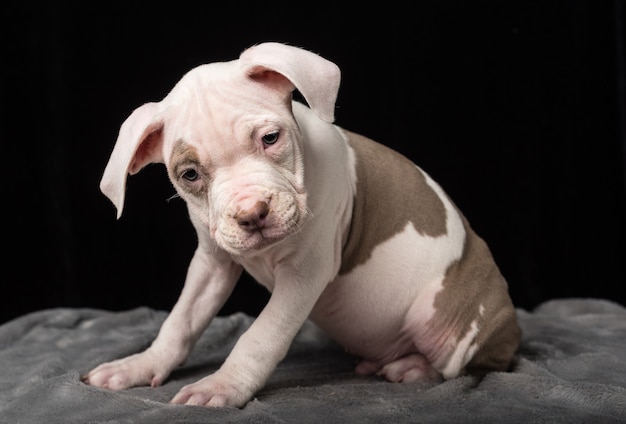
[{"x": 571, "y": 368}]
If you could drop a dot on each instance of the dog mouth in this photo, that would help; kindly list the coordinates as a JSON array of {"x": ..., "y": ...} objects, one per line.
[
  {"x": 258, "y": 226},
  {"x": 265, "y": 237},
  {"x": 254, "y": 238}
]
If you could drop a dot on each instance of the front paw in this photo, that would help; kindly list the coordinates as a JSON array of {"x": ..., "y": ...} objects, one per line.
[
  {"x": 216, "y": 390},
  {"x": 141, "y": 369}
]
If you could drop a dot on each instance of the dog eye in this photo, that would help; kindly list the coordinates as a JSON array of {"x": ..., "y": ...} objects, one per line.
[
  {"x": 270, "y": 138},
  {"x": 190, "y": 175}
]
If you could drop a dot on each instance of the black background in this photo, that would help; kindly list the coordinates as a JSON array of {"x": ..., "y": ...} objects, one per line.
[{"x": 515, "y": 108}]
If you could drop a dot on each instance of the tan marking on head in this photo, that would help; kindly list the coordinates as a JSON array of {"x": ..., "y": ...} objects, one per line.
[
  {"x": 184, "y": 157},
  {"x": 390, "y": 192}
]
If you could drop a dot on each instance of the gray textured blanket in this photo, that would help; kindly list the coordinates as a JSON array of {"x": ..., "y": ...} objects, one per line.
[{"x": 571, "y": 368}]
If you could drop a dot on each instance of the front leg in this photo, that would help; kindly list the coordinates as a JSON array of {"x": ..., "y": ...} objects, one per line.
[
  {"x": 259, "y": 350},
  {"x": 210, "y": 280}
]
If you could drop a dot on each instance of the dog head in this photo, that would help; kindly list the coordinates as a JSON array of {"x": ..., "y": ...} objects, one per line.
[{"x": 231, "y": 145}]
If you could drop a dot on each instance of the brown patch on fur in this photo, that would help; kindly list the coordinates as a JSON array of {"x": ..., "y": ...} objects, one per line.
[
  {"x": 469, "y": 282},
  {"x": 410, "y": 199},
  {"x": 472, "y": 281},
  {"x": 184, "y": 157}
]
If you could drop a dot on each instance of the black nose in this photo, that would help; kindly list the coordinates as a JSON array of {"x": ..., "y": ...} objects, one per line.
[{"x": 253, "y": 219}]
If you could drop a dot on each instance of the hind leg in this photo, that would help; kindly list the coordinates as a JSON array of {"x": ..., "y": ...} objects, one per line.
[{"x": 407, "y": 369}]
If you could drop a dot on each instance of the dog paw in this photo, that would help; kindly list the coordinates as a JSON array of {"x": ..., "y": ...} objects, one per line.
[
  {"x": 141, "y": 369},
  {"x": 216, "y": 390},
  {"x": 408, "y": 369}
]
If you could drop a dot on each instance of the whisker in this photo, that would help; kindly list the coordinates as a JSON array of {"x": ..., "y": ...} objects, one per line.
[
  {"x": 174, "y": 196},
  {"x": 299, "y": 225}
]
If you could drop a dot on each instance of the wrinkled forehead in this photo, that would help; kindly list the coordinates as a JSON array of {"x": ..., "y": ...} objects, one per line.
[
  {"x": 217, "y": 105},
  {"x": 222, "y": 89}
]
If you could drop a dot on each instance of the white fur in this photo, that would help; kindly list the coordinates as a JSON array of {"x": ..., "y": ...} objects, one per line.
[{"x": 282, "y": 211}]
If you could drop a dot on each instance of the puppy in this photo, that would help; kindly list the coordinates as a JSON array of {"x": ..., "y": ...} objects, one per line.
[{"x": 338, "y": 228}]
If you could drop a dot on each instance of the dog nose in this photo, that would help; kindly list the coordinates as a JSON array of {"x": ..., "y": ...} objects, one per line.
[{"x": 253, "y": 219}]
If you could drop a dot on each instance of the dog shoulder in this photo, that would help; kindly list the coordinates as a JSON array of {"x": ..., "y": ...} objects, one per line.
[{"x": 391, "y": 192}]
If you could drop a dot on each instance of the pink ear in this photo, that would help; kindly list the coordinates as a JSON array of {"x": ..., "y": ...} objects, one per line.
[
  {"x": 316, "y": 78},
  {"x": 139, "y": 143},
  {"x": 271, "y": 78}
]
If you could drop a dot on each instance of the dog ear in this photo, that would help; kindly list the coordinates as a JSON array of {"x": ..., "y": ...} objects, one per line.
[
  {"x": 139, "y": 143},
  {"x": 315, "y": 77}
]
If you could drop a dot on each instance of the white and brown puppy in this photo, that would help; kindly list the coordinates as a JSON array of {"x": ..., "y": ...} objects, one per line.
[{"x": 340, "y": 229}]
